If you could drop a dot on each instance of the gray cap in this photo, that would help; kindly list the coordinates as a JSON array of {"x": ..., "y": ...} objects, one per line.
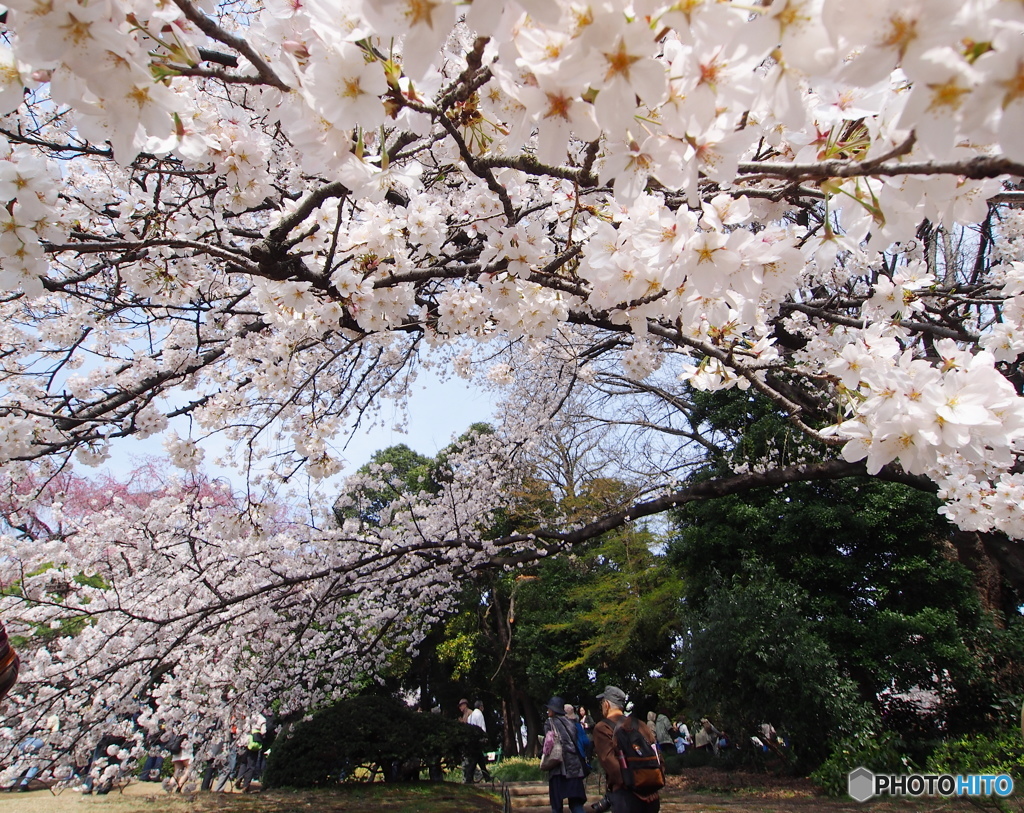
[{"x": 615, "y": 695}]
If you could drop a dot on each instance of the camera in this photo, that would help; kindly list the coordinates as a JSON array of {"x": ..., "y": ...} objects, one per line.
[{"x": 602, "y": 805}]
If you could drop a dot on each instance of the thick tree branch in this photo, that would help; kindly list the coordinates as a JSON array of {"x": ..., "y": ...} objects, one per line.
[{"x": 975, "y": 168}]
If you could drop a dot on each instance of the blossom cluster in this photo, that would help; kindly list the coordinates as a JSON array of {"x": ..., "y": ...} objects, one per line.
[
  {"x": 224, "y": 604},
  {"x": 646, "y": 92}
]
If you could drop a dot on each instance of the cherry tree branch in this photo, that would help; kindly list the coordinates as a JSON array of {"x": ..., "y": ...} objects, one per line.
[
  {"x": 214, "y": 31},
  {"x": 976, "y": 168}
]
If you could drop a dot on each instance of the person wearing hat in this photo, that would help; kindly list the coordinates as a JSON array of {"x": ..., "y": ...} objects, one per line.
[
  {"x": 566, "y": 780},
  {"x": 613, "y": 704},
  {"x": 474, "y": 717}
]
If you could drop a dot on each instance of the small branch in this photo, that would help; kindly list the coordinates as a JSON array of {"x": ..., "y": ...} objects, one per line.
[
  {"x": 739, "y": 484},
  {"x": 304, "y": 209},
  {"x": 531, "y": 166},
  {"x": 896, "y": 152},
  {"x": 135, "y": 246},
  {"x": 481, "y": 170},
  {"x": 214, "y": 31},
  {"x": 216, "y": 73},
  {"x": 217, "y": 57}
]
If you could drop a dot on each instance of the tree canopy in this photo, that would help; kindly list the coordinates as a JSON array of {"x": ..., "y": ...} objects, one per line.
[{"x": 255, "y": 221}]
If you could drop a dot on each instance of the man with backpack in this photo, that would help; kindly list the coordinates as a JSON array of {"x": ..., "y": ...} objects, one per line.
[{"x": 625, "y": 747}]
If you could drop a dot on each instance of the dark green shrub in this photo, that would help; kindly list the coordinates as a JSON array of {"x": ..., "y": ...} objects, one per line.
[
  {"x": 727, "y": 759},
  {"x": 673, "y": 764},
  {"x": 692, "y": 758},
  {"x": 365, "y": 738},
  {"x": 1000, "y": 753}
]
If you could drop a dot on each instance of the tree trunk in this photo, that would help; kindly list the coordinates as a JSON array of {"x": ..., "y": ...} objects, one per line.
[
  {"x": 509, "y": 740},
  {"x": 994, "y": 562},
  {"x": 511, "y": 744},
  {"x": 532, "y": 727}
]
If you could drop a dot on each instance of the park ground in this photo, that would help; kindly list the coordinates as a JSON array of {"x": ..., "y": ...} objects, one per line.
[{"x": 704, "y": 792}]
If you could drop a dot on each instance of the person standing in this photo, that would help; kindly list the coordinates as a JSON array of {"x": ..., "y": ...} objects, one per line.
[
  {"x": 28, "y": 749},
  {"x": 622, "y": 799},
  {"x": 214, "y": 755},
  {"x": 154, "y": 744},
  {"x": 584, "y": 744},
  {"x": 711, "y": 736},
  {"x": 477, "y": 757},
  {"x": 566, "y": 780},
  {"x": 253, "y": 751},
  {"x": 683, "y": 740},
  {"x": 181, "y": 762},
  {"x": 663, "y": 733},
  {"x": 237, "y": 757}
]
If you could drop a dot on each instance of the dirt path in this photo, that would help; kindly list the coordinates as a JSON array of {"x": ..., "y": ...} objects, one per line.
[{"x": 447, "y": 798}]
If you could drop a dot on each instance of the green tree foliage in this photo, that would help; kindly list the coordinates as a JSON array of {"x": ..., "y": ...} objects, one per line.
[
  {"x": 608, "y": 612},
  {"x": 863, "y": 574},
  {"x": 754, "y": 655},
  {"x": 982, "y": 754},
  {"x": 408, "y": 472},
  {"x": 625, "y": 615},
  {"x": 363, "y": 738},
  {"x": 887, "y": 599}
]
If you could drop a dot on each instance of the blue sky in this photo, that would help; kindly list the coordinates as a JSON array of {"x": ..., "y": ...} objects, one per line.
[{"x": 438, "y": 412}]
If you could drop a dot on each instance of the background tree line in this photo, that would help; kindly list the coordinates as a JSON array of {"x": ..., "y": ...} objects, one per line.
[{"x": 836, "y": 610}]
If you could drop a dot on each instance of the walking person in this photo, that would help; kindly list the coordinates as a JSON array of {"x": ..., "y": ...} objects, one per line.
[
  {"x": 253, "y": 752},
  {"x": 477, "y": 757},
  {"x": 706, "y": 737},
  {"x": 565, "y": 781},
  {"x": 237, "y": 751},
  {"x": 28, "y": 749},
  {"x": 181, "y": 762},
  {"x": 622, "y": 799},
  {"x": 9, "y": 664},
  {"x": 683, "y": 740},
  {"x": 154, "y": 744},
  {"x": 214, "y": 752}
]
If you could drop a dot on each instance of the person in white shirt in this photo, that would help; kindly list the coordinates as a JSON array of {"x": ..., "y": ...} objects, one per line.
[
  {"x": 683, "y": 740},
  {"x": 476, "y": 717}
]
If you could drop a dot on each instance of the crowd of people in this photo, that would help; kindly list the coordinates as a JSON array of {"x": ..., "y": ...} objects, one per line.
[
  {"x": 225, "y": 764},
  {"x": 632, "y": 780},
  {"x": 232, "y": 762},
  {"x": 572, "y": 739},
  {"x": 183, "y": 762}
]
